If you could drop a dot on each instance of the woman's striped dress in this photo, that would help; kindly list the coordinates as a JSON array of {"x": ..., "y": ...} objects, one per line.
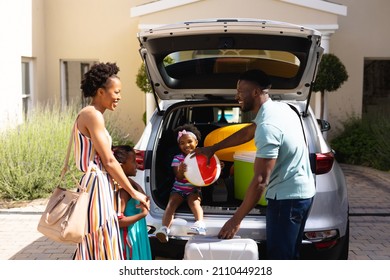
[{"x": 102, "y": 239}]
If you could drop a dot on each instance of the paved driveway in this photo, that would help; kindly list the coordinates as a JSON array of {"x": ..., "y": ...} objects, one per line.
[
  {"x": 369, "y": 195},
  {"x": 369, "y": 200}
]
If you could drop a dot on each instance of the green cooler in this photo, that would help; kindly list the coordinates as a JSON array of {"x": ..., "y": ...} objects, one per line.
[{"x": 243, "y": 174}]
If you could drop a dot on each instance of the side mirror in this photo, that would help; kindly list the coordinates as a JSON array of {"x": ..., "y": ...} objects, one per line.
[{"x": 324, "y": 125}]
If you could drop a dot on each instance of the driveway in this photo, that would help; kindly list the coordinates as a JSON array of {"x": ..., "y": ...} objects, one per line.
[{"x": 369, "y": 201}]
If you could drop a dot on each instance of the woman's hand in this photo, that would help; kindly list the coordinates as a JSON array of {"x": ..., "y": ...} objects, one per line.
[{"x": 143, "y": 199}]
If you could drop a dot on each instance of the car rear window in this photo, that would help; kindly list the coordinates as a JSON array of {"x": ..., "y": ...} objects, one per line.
[
  {"x": 275, "y": 63},
  {"x": 197, "y": 68}
]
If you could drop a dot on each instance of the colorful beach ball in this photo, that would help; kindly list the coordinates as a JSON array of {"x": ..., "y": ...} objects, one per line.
[{"x": 199, "y": 173}]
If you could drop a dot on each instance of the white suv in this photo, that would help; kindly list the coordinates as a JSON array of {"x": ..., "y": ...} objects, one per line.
[{"x": 198, "y": 86}]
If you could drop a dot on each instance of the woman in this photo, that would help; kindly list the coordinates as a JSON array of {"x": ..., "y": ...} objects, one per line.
[{"x": 93, "y": 142}]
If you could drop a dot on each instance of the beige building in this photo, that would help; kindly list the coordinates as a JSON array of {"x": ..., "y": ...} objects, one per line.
[{"x": 46, "y": 45}]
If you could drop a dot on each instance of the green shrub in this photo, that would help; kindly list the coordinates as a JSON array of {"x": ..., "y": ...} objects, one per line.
[
  {"x": 118, "y": 136},
  {"x": 32, "y": 155},
  {"x": 380, "y": 128},
  {"x": 364, "y": 142}
]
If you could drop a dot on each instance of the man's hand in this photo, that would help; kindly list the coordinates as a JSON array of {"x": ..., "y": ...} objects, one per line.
[
  {"x": 207, "y": 151},
  {"x": 229, "y": 229}
]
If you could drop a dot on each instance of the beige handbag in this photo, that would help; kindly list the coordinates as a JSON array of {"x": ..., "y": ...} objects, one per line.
[{"x": 65, "y": 216}]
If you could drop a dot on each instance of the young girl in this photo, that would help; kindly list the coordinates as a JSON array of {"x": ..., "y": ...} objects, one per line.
[
  {"x": 133, "y": 229},
  {"x": 187, "y": 138}
]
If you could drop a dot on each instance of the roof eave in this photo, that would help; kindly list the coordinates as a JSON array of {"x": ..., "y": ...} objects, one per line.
[{"x": 320, "y": 5}]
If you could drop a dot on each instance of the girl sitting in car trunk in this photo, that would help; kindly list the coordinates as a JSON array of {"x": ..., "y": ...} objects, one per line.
[{"x": 188, "y": 137}]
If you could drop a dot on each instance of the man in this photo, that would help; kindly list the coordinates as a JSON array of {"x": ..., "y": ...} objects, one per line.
[{"x": 281, "y": 167}]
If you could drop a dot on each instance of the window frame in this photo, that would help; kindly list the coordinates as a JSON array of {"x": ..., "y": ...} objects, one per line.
[{"x": 27, "y": 94}]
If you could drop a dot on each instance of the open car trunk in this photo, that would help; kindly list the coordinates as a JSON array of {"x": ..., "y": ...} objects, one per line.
[{"x": 213, "y": 120}]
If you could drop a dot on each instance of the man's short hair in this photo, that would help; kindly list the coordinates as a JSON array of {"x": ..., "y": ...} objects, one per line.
[{"x": 258, "y": 77}]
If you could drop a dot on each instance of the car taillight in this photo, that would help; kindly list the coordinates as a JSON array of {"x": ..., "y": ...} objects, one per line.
[
  {"x": 323, "y": 239},
  {"x": 325, "y": 244},
  {"x": 324, "y": 163},
  {"x": 140, "y": 159}
]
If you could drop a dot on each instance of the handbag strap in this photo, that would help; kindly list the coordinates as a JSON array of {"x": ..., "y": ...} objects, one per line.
[{"x": 66, "y": 163}]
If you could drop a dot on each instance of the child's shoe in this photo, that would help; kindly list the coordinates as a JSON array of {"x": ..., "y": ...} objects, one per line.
[
  {"x": 162, "y": 234},
  {"x": 198, "y": 228}
]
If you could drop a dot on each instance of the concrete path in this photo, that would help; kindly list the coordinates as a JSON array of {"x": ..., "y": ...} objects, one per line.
[{"x": 20, "y": 240}]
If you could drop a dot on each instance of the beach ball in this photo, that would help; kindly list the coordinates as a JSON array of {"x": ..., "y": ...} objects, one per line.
[{"x": 199, "y": 173}]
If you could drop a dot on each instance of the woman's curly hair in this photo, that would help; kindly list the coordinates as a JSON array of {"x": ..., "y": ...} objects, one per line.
[{"x": 97, "y": 77}]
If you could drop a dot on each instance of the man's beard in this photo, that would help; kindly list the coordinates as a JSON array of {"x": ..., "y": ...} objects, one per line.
[{"x": 246, "y": 108}]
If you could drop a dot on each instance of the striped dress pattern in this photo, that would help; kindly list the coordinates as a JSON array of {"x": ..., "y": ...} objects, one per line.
[{"x": 102, "y": 238}]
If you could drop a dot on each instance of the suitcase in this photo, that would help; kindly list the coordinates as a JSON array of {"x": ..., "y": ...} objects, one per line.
[{"x": 212, "y": 248}]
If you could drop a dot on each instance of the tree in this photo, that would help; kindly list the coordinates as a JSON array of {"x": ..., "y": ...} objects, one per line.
[
  {"x": 142, "y": 77},
  {"x": 142, "y": 80},
  {"x": 143, "y": 84},
  {"x": 330, "y": 76}
]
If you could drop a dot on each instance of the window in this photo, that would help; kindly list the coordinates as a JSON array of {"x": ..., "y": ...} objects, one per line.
[
  {"x": 211, "y": 68},
  {"x": 27, "y": 87},
  {"x": 376, "y": 86},
  {"x": 277, "y": 63},
  {"x": 71, "y": 75}
]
